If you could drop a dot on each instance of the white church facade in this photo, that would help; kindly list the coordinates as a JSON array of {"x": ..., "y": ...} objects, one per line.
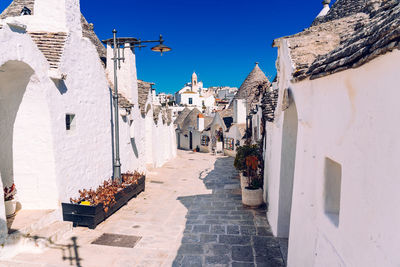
[{"x": 193, "y": 94}]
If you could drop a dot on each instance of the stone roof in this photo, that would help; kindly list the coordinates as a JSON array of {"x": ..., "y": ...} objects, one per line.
[
  {"x": 88, "y": 32},
  {"x": 376, "y": 36},
  {"x": 181, "y": 117},
  {"x": 307, "y": 45},
  {"x": 143, "y": 93},
  {"x": 15, "y": 8},
  {"x": 269, "y": 103},
  {"x": 351, "y": 34},
  {"x": 166, "y": 114},
  {"x": 190, "y": 120},
  {"x": 249, "y": 89},
  {"x": 123, "y": 102},
  {"x": 345, "y": 8}
]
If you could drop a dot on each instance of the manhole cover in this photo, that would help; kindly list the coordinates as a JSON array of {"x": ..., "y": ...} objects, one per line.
[
  {"x": 114, "y": 240},
  {"x": 156, "y": 182}
]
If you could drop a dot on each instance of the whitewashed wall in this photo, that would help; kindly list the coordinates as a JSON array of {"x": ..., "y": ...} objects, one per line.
[
  {"x": 278, "y": 185},
  {"x": 348, "y": 118},
  {"x": 163, "y": 143}
]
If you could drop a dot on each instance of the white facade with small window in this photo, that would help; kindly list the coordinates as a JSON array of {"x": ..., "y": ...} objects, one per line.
[
  {"x": 331, "y": 165},
  {"x": 56, "y": 130}
]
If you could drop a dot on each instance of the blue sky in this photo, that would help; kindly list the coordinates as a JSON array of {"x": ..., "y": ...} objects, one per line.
[{"x": 219, "y": 39}]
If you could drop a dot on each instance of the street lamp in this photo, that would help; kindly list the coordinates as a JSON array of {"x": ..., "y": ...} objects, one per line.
[{"x": 119, "y": 44}]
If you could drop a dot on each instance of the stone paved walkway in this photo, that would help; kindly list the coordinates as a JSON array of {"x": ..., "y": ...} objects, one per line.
[
  {"x": 190, "y": 215},
  {"x": 220, "y": 231}
]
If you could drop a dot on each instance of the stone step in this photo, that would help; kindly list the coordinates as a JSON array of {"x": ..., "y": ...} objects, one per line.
[{"x": 35, "y": 235}]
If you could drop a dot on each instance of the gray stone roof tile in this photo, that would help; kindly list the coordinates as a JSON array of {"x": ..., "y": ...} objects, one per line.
[
  {"x": 249, "y": 90},
  {"x": 15, "y": 8},
  {"x": 351, "y": 34},
  {"x": 144, "y": 89},
  {"x": 88, "y": 32},
  {"x": 379, "y": 35}
]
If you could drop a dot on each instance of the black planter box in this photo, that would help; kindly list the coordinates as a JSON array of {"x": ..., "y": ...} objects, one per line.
[{"x": 91, "y": 216}]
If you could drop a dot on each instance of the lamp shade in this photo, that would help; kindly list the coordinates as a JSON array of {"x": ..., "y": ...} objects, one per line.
[{"x": 161, "y": 48}]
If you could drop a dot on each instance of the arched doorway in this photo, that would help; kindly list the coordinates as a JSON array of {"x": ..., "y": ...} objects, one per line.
[
  {"x": 26, "y": 144},
  {"x": 288, "y": 154}
]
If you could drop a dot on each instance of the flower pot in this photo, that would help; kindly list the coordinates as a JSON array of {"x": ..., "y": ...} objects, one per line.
[
  {"x": 244, "y": 180},
  {"x": 252, "y": 197},
  {"x": 10, "y": 206}
]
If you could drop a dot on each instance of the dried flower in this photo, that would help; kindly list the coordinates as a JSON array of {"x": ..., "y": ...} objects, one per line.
[
  {"x": 105, "y": 193},
  {"x": 9, "y": 192}
]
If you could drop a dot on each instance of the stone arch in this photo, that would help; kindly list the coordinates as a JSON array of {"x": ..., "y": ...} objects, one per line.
[
  {"x": 26, "y": 143},
  {"x": 288, "y": 159}
]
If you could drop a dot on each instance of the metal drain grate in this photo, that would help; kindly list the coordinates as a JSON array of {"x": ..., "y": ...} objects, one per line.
[
  {"x": 156, "y": 182},
  {"x": 114, "y": 240}
]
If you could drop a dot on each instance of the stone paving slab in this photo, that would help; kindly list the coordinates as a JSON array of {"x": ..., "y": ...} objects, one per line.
[{"x": 194, "y": 218}]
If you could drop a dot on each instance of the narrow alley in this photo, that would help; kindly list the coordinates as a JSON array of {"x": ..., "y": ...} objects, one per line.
[{"x": 189, "y": 215}]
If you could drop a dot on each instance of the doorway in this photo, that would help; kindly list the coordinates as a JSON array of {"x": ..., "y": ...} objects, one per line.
[
  {"x": 190, "y": 140},
  {"x": 26, "y": 141}
]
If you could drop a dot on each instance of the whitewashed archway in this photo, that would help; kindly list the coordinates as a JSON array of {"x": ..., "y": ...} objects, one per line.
[{"x": 26, "y": 143}]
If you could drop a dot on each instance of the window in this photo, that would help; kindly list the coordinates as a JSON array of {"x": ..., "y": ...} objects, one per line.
[
  {"x": 205, "y": 140},
  {"x": 229, "y": 143},
  {"x": 70, "y": 122},
  {"x": 333, "y": 183},
  {"x": 190, "y": 101}
]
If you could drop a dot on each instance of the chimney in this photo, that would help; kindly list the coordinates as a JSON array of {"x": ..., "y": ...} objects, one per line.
[
  {"x": 126, "y": 75},
  {"x": 239, "y": 111},
  {"x": 200, "y": 122},
  {"x": 325, "y": 8},
  {"x": 56, "y": 16}
]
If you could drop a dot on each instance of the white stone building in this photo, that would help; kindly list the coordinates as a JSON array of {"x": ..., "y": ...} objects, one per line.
[
  {"x": 194, "y": 95},
  {"x": 331, "y": 155},
  {"x": 55, "y": 107}
]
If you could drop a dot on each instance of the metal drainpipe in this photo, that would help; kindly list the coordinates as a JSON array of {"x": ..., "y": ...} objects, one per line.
[{"x": 117, "y": 162}]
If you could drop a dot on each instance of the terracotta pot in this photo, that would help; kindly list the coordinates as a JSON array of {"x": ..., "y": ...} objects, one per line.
[
  {"x": 252, "y": 197},
  {"x": 244, "y": 180},
  {"x": 10, "y": 206}
]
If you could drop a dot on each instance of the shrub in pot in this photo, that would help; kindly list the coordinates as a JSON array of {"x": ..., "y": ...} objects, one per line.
[
  {"x": 242, "y": 152},
  {"x": 9, "y": 202},
  {"x": 252, "y": 195}
]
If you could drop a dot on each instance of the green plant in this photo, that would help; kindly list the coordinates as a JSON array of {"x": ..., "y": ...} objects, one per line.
[{"x": 242, "y": 152}]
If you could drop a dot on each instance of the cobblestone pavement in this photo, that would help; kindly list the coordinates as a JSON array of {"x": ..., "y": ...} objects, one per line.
[
  {"x": 220, "y": 231},
  {"x": 190, "y": 215}
]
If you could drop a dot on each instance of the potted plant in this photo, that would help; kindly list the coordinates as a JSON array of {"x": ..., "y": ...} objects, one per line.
[
  {"x": 242, "y": 152},
  {"x": 94, "y": 206},
  {"x": 252, "y": 194},
  {"x": 9, "y": 202}
]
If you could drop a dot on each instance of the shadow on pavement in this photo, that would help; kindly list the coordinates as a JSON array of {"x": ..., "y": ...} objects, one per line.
[
  {"x": 69, "y": 252},
  {"x": 220, "y": 230}
]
